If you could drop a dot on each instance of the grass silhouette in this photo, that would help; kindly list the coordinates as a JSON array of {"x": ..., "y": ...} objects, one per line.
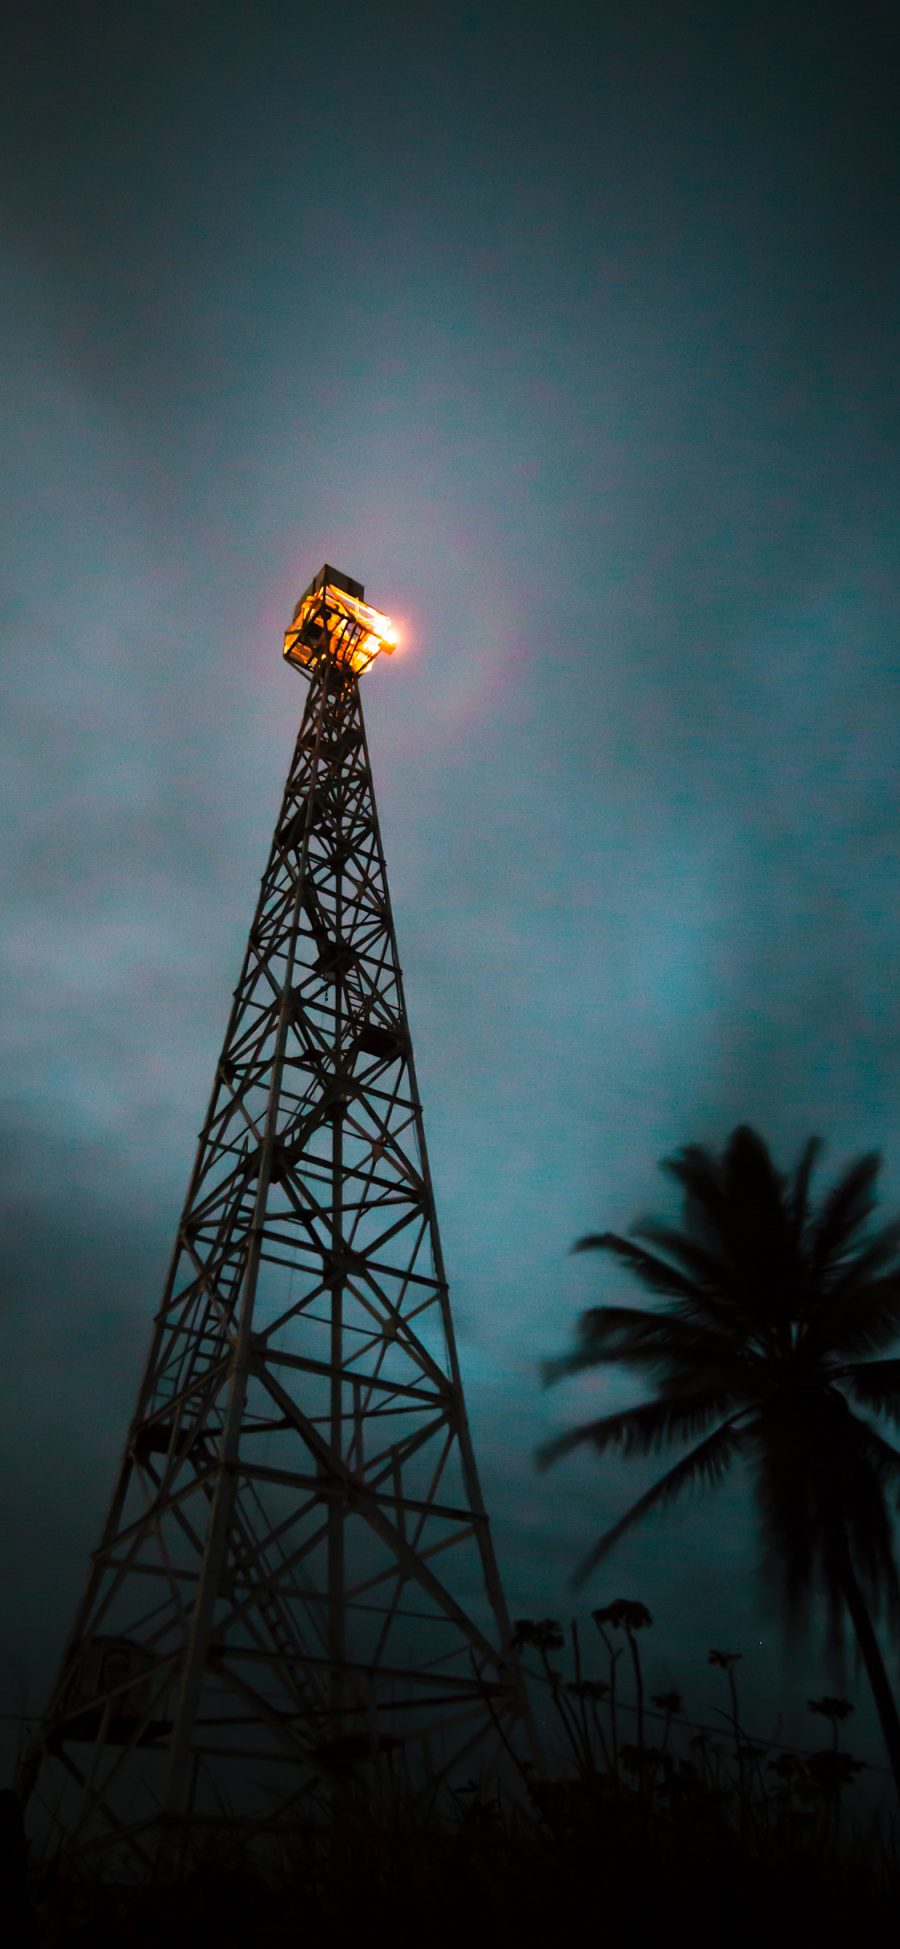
[{"x": 645, "y": 1823}]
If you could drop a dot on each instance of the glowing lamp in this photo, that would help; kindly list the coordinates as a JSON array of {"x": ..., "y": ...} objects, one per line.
[{"x": 332, "y": 621}]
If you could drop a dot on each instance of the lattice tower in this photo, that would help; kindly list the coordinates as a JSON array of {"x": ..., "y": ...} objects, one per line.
[{"x": 296, "y": 1578}]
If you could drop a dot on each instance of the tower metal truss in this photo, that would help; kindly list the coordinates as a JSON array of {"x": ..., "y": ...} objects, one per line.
[{"x": 296, "y": 1576}]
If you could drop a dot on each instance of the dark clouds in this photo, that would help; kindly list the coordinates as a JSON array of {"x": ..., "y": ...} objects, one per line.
[{"x": 578, "y": 345}]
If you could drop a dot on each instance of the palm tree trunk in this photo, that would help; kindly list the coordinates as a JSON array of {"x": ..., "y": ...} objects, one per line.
[{"x": 885, "y": 1702}]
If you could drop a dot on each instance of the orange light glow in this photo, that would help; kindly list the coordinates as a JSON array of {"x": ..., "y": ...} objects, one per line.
[{"x": 331, "y": 622}]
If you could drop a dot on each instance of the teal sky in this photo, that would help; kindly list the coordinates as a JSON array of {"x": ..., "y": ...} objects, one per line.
[{"x": 577, "y": 344}]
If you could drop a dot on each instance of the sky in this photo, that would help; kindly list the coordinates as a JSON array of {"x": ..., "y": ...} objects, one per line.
[{"x": 573, "y": 336}]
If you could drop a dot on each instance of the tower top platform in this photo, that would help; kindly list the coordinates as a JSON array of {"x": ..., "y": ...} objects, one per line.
[{"x": 332, "y": 621}]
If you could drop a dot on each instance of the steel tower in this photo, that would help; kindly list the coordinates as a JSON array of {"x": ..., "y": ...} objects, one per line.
[{"x": 296, "y": 1576}]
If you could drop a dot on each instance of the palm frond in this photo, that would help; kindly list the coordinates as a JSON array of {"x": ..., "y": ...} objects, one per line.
[
  {"x": 881, "y": 1251},
  {"x": 653, "y": 1272},
  {"x": 734, "y": 1292},
  {"x": 857, "y": 1322},
  {"x": 797, "y": 1196},
  {"x": 881, "y": 1455},
  {"x": 642, "y": 1430},
  {"x": 707, "y": 1463},
  {"x": 630, "y": 1336},
  {"x": 735, "y": 1208},
  {"x": 860, "y": 1519},
  {"x": 844, "y": 1212},
  {"x": 750, "y": 1179},
  {"x": 706, "y": 1214},
  {"x": 874, "y": 1384},
  {"x": 711, "y": 1272}
]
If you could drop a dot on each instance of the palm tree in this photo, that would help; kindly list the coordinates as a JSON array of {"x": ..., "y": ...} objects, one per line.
[{"x": 772, "y": 1329}]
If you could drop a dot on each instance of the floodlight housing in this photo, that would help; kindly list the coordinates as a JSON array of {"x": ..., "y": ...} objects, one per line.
[{"x": 331, "y": 621}]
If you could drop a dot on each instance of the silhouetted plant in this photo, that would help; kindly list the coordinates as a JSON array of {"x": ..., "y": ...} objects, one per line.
[
  {"x": 788, "y": 1768},
  {"x": 726, "y": 1662},
  {"x": 768, "y": 1336},
  {"x": 644, "y": 1761},
  {"x": 592, "y": 1692},
  {"x": 540, "y": 1634},
  {"x": 830, "y": 1772},
  {"x": 834, "y": 1710},
  {"x": 613, "y": 1655},
  {"x": 625, "y": 1614},
  {"x": 827, "y": 1775},
  {"x": 544, "y": 1635},
  {"x": 672, "y": 1704},
  {"x": 672, "y": 1846}
]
